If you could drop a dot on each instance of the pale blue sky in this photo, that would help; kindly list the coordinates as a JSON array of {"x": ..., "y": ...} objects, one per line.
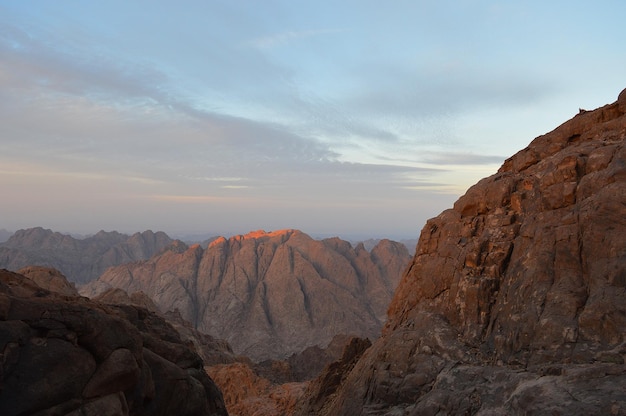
[{"x": 338, "y": 118}]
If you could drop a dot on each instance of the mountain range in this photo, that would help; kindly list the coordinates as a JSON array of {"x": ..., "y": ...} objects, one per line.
[
  {"x": 269, "y": 294},
  {"x": 513, "y": 304},
  {"x": 80, "y": 260}
]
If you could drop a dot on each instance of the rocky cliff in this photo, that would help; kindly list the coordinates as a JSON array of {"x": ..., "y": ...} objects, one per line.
[
  {"x": 270, "y": 294},
  {"x": 66, "y": 355},
  {"x": 80, "y": 260},
  {"x": 515, "y": 302}
]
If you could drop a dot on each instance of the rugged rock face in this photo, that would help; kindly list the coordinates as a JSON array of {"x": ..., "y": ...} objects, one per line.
[
  {"x": 270, "y": 295},
  {"x": 79, "y": 260},
  {"x": 248, "y": 394},
  {"x": 49, "y": 279},
  {"x": 303, "y": 366},
  {"x": 63, "y": 354},
  {"x": 274, "y": 388},
  {"x": 212, "y": 351},
  {"x": 515, "y": 302},
  {"x": 320, "y": 391}
]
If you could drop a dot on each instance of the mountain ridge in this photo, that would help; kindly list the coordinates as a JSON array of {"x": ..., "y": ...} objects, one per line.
[
  {"x": 81, "y": 260},
  {"x": 269, "y": 294}
]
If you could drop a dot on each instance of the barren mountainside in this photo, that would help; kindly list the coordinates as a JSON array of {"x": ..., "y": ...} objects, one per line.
[
  {"x": 515, "y": 301},
  {"x": 80, "y": 260},
  {"x": 63, "y": 354},
  {"x": 270, "y": 294}
]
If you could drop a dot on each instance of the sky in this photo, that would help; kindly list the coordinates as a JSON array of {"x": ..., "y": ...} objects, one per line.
[{"x": 339, "y": 118}]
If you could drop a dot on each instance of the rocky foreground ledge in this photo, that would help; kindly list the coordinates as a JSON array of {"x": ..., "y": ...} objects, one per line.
[{"x": 61, "y": 354}]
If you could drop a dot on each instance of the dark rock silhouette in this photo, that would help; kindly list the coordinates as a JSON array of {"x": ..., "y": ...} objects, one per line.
[
  {"x": 64, "y": 354},
  {"x": 515, "y": 302}
]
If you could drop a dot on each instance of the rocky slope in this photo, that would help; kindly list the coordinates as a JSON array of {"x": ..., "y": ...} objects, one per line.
[
  {"x": 63, "y": 354},
  {"x": 270, "y": 294},
  {"x": 80, "y": 260},
  {"x": 515, "y": 302},
  {"x": 246, "y": 393},
  {"x": 275, "y": 387}
]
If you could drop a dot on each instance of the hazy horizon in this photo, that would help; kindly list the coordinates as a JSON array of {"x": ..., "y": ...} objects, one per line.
[
  {"x": 204, "y": 236},
  {"x": 334, "y": 118}
]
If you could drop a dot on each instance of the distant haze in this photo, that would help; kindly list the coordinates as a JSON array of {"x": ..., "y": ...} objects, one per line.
[{"x": 355, "y": 118}]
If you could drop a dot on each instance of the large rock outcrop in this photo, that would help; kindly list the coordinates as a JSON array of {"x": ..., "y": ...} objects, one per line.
[
  {"x": 515, "y": 302},
  {"x": 50, "y": 279},
  {"x": 270, "y": 295},
  {"x": 67, "y": 355},
  {"x": 80, "y": 260}
]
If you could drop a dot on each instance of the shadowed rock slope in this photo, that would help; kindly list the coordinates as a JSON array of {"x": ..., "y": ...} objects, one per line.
[
  {"x": 80, "y": 260},
  {"x": 270, "y": 295},
  {"x": 67, "y": 355},
  {"x": 515, "y": 302}
]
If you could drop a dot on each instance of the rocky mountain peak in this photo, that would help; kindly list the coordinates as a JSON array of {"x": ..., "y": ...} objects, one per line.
[
  {"x": 259, "y": 234},
  {"x": 539, "y": 222},
  {"x": 518, "y": 288},
  {"x": 269, "y": 294}
]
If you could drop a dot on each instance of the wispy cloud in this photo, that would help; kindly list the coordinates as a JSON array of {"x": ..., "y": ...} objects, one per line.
[
  {"x": 203, "y": 112},
  {"x": 65, "y": 105},
  {"x": 284, "y": 38},
  {"x": 460, "y": 158}
]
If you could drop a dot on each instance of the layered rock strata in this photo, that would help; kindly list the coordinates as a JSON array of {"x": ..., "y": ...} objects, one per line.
[{"x": 515, "y": 302}]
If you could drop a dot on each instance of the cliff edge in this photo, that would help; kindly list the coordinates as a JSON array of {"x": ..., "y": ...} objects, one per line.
[{"x": 515, "y": 301}]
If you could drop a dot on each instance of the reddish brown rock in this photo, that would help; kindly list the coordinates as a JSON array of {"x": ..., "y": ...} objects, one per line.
[
  {"x": 68, "y": 355},
  {"x": 247, "y": 394},
  {"x": 270, "y": 295},
  {"x": 515, "y": 302},
  {"x": 275, "y": 387},
  {"x": 49, "y": 279}
]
